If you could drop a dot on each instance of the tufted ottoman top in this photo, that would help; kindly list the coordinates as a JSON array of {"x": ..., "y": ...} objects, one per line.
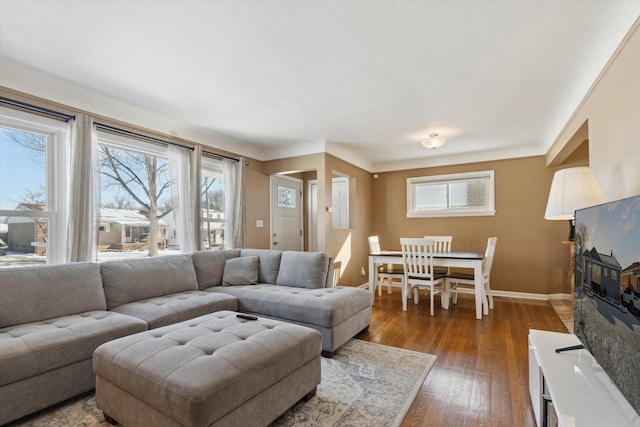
[{"x": 198, "y": 370}]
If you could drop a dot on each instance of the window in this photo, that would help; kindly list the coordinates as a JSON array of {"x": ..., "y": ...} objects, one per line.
[
  {"x": 596, "y": 270},
  {"x": 212, "y": 194},
  {"x": 32, "y": 188},
  {"x": 135, "y": 202},
  {"x": 464, "y": 194}
]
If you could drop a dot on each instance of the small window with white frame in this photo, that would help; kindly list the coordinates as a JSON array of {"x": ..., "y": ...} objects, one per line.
[{"x": 462, "y": 194}]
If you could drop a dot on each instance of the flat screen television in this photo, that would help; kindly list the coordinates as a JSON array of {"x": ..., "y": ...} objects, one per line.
[{"x": 607, "y": 290}]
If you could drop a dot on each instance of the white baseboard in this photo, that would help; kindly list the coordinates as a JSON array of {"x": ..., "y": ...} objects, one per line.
[
  {"x": 528, "y": 295},
  {"x": 511, "y": 294}
]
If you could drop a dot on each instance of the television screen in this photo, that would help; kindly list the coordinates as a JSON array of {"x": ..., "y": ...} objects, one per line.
[{"x": 607, "y": 290}]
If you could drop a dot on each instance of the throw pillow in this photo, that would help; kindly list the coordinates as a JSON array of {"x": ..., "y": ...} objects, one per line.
[{"x": 240, "y": 271}]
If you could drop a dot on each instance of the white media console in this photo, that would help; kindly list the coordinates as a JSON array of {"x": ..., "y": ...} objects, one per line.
[{"x": 570, "y": 388}]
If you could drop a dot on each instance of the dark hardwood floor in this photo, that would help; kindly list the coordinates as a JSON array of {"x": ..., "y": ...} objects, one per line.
[{"x": 480, "y": 377}]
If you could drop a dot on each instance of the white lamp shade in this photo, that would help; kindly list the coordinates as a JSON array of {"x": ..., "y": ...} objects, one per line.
[{"x": 573, "y": 189}]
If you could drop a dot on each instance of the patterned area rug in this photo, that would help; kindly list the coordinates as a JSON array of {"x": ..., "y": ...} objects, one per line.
[{"x": 364, "y": 384}]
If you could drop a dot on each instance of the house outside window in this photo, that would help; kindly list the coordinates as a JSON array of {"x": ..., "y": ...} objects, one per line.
[
  {"x": 463, "y": 194},
  {"x": 33, "y": 179}
]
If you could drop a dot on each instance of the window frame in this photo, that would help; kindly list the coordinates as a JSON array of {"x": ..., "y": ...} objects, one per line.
[
  {"x": 132, "y": 145},
  {"x": 488, "y": 209},
  {"x": 56, "y": 176}
]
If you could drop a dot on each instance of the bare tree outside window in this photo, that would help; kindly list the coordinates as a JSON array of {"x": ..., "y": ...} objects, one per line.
[{"x": 145, "y": 179}]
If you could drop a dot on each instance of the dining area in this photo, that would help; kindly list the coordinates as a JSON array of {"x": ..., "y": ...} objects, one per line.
[{"x": 428, "y": 263}]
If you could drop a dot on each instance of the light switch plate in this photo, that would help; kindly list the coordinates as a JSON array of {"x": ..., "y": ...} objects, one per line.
[{"x": 259, "y": 223}]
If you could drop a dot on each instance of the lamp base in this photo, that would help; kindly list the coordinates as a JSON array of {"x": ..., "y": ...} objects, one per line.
[{"x": 572, "y": 230}]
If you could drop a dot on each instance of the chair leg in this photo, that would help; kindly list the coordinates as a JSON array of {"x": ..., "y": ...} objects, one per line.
[
  {"x": 416, "y": 295},
  {"x": 405, "y": 291},
  {"x": 431, "y": 296},
  {"x": 488, "y": 294},
  {"x": 379, "y": 288}
]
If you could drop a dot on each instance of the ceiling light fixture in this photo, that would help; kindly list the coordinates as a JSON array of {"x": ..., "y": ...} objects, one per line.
[{"x": 434, "y": 141}]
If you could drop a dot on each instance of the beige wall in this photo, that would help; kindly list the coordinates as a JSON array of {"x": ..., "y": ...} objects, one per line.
[
  {"x": 530, "y": 256},
  {"x": 348, "y": 246},
  {"x": 257, "y": 205},
  {"x": 612, "y": 110}
]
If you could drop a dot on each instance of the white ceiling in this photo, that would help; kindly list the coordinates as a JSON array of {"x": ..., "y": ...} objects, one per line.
[{"x": 364, "y": 80}]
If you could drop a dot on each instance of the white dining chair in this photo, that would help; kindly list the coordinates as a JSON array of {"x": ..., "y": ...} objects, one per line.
[
  {"x": 465, "y": 282},
  {"x": 417, "y": 258},
  {"x": 387, "y": 274},
  {"x": 441, "y": 244}
]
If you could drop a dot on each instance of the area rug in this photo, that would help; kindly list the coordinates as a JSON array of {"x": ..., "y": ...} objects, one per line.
[{"x": 364, "y": 384}]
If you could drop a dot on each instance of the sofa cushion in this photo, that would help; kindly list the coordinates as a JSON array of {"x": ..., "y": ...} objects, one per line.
[
  {"x": 31, "y": 294},
  {"x": 168, "y": 309},
  {"x": 138, "y": 279},
  {"x": 209, "y": 266},
  {"x": 268, "y": 266},
  {"x": 240, "y": 271},
  {"x": 303, "y": 269},
  {"x": 33, "y": 348},
  {"x": 327, "y": 307}
]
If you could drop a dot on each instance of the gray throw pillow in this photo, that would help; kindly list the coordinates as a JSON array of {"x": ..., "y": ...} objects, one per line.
[{"x": 240, "y": 271}]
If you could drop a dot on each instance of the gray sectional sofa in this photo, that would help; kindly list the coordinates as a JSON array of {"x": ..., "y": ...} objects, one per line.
[{"x": 52, "y": 318}]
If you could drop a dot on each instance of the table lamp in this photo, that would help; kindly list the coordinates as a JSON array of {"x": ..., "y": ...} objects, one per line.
[{"x": 573, "y": 189}]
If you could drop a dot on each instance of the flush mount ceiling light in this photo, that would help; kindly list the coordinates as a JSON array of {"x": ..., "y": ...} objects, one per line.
[{"x": 434, "y": 141}]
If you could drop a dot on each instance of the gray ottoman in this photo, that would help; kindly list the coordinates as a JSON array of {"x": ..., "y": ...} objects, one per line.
[{"x": 212, "y": 370}]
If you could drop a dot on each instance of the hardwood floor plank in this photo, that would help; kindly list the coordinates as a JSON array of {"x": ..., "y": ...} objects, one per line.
[{"x": 481, "y": 375}]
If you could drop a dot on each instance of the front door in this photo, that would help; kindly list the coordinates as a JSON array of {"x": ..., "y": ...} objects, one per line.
[{"x": 286, "y": 213}]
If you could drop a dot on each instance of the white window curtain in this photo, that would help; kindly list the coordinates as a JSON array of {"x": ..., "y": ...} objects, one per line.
[
  {"x": 182, "y": 197},
  {"x": 234, "y": 210},
  {"x": 196, "y": 196},
  {"x": 84, "y": 191}
]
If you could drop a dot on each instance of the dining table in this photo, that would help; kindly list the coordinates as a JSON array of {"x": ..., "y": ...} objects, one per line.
[{"x": 471, "y": 260}]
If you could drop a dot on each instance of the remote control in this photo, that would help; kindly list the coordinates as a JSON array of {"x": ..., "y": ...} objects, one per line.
[{"x": 246, "y": 317}]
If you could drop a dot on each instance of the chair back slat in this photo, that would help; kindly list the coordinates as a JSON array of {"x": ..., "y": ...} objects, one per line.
[
  {"x": 374, "y": 245},
  {"x": 441, "y": 243},
  {"x": 417, "y": 257}
]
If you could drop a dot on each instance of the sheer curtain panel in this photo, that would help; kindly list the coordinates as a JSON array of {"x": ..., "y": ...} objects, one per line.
[
  {"x": 234, "y": 210},
  {"x": 196, "y": 195},
  {"x": 84, "y": 192},
  {"x": 181, "y": 196}
]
